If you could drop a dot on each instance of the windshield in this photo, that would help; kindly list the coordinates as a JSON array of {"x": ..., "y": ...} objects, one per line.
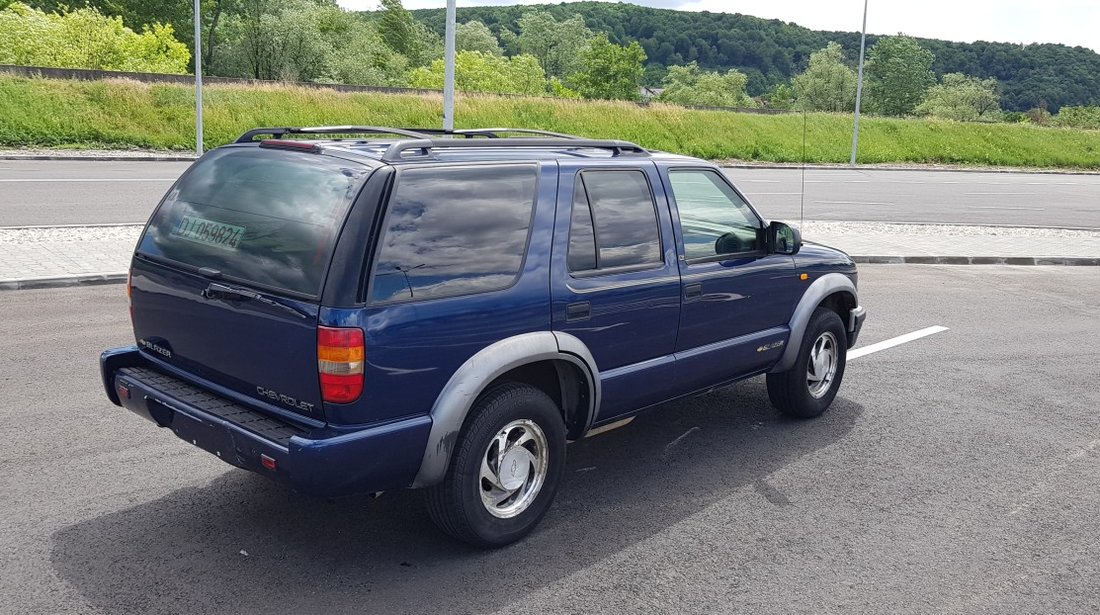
[{"x": 264, "y": 216}]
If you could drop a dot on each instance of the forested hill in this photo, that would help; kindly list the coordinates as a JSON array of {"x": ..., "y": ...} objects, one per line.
[{"x": 771, "y": 51}]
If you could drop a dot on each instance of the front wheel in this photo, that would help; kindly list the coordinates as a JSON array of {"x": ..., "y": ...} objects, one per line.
[
  {"x": 808, "y": 388},
  {"x": 505, "y": 470}
]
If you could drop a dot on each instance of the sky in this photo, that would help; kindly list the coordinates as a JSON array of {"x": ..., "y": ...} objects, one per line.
[{"x": 1071, "y": 22}]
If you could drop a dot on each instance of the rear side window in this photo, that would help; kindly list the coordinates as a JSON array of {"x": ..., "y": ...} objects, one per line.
[
  {"x": 261, "y": 216},
  {"x": 614, "y": 223},
  {"x": 454, "y": 231}
]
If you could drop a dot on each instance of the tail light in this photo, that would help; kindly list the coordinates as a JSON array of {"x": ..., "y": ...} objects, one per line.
[{"x": 340, "y": 353}]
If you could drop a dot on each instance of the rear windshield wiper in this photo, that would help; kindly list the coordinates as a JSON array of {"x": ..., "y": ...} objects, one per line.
[{"x": 217, "y": 290}]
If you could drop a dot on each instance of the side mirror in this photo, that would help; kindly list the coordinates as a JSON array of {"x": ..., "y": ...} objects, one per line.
[{"x": 783, "y": 239}]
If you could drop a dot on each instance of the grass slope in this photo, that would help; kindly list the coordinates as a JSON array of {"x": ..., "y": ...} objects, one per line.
[{"x": 121, "y": 114}]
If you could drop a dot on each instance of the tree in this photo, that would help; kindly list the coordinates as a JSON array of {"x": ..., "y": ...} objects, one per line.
[
  {"x": 687, "y": 85},
  {"x": 780, "y": 97},
  {"x": 307, "y": 40},
  {"x": 558, "y": 45},
  {"x": 963, "y": 98},
  {"x": 476, "y": 36},
  {"x": 899, "y": 73},
  {"x": 86, "y": 38},
  {"x": 609, "y": 71},
  {"x": 482, "y": 72},
  {"x": 827, "y": 84},
  {"x": 357, "y": 54},
  {"x": 398, "y": 28}
]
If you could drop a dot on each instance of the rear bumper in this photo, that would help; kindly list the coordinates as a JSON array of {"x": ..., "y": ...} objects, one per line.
[
  {"x": 320, "y": 461},
  {"x": 855, "y": 323}
]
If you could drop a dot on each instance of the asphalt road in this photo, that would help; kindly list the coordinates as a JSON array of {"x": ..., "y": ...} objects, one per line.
[
  {"x": 954, "y": 474},
  {"x": 46, "y": 192},
  {"x": 89, "y": 192},
  {"x": 937, "y": 197}
]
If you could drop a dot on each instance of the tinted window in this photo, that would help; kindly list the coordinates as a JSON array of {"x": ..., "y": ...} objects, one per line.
[
  {"x": 582, "y": 235},
  {"x": 713, "y": 218},
  {"x": 623, "y": 217},
  {"x": 263, "y": 216},
  {"x": 454, "y": 231}
]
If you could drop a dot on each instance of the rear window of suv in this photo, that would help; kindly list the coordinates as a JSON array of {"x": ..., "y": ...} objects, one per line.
[
  {"x": 260, "y": 216},
  {"x": 454, "y": 231}
]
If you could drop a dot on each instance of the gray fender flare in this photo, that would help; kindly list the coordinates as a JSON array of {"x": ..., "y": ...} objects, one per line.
[
  {"x": 459, "y": 394},
  {"x": 828, "y": 284}
]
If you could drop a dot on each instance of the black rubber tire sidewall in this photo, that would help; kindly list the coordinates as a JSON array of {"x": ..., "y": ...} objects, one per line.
[
  {"x": 789, "y": 390},
  {"x": 470, "y": 521}
]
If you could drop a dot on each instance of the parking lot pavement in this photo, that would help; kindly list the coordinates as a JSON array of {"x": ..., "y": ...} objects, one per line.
[{"x": 955, "y": 473}]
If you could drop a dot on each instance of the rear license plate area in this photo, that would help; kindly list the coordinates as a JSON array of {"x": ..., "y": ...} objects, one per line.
[{"x": 209, "y": 436}]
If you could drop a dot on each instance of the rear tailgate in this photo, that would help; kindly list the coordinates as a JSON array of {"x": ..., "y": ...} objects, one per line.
[{"x": 227, "y": 277}]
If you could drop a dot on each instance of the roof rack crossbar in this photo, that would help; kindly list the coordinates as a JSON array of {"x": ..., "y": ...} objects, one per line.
[
  {"x": 494, "y": 133},
  {"x": 395, "y": 151},
  {"x": 279, "y": 133}
]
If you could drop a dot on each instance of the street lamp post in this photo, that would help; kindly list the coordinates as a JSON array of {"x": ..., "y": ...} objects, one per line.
[
  {"x": 859, "y": 85},
  {"x": 198, "y": 80},
  {"x": 449, "y": 70}
]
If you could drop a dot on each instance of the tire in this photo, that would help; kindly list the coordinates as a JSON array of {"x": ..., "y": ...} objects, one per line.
[
  {"x": 807, "y": 389},
  {"x": 509, "y": 417}
]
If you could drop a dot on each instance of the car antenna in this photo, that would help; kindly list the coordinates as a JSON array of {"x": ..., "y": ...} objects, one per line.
[{"x": 802, "y": 190}]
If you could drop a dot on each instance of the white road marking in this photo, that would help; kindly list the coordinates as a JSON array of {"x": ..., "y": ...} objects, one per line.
[
  {"x": 852, "y": 203},
  {"x": 894, "y": 341},
  {"x": 98, "y": 179},
  {"x": 1007, "y": 208}
]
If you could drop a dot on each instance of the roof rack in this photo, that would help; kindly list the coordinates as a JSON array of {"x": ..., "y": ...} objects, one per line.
[
  {"x": 492, "y": 133},
  {"x": 396, "y": 151},
  {"x": 495, "y": 133},
  {"x": 279, "y": 133}
]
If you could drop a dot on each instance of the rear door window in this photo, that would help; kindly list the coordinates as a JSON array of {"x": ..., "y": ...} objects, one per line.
[
  {"x": 259, "y": 216},
  {"x": 454, "y": 231},
  {"x": 614, "y": 222}
]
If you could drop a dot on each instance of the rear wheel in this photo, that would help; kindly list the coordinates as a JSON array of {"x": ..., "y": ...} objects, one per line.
[
  {"x": 505, "y": 470},
  {"x": 809, "y": 387}
]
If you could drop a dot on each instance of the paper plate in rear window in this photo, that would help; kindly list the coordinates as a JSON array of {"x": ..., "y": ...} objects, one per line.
[{"x": 267, "y": 217}]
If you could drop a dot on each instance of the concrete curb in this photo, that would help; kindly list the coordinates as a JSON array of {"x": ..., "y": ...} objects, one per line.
[
  {"x": 794, "y": 166},
  {"x": 106, "y": 158},
  {"x": 87, "y": 279},
  {"x": 1069, "y": 261},
  {"x": 722, "y": 164},
  {"x": 97, "y": 279}
]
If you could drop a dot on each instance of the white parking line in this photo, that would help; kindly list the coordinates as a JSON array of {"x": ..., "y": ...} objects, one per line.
[{"x": 894, "y": 341}]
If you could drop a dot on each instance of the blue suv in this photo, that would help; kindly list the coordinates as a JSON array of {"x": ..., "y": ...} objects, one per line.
[{"x": 359, "y": 309}]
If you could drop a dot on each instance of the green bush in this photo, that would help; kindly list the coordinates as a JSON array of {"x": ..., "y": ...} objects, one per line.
[
  {"x": 1078, "y": 117},
  {"x": 85, "y": 38}
]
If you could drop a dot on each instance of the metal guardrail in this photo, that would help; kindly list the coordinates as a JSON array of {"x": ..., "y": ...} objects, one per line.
[{"x": 82, "y": 74}]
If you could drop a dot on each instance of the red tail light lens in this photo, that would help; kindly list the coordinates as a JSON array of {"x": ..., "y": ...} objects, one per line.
[{"x": 340, "y": 355}]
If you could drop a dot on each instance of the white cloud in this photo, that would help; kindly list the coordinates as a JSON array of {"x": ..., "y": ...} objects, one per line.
[{"x": 1071, "y": 22}]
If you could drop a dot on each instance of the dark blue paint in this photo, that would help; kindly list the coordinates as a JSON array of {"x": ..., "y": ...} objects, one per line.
[{"x": 656, "y": 333}]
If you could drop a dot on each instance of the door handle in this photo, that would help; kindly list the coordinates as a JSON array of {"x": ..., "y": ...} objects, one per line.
[
  {"x": 693, "y": 291},
  {"x": 578, "y": 311}
]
